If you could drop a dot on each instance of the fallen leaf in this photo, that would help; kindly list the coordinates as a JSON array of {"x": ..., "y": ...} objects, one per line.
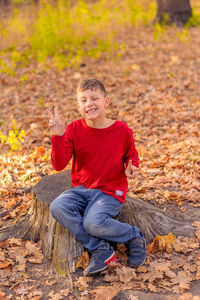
[
  {"x": 152, "y": 287},
  {"x": 83, "y": 282},
  {"x": 162, "y": 243},
  {"x": 38, "y": 152},
  {"x": 83, "y": 260},
  {"x": 7, "y": 263},
  {"x": 110, "y": 278},
  {"x": 197, "y": 277},
  {"x": 125, "y": 274},
  {"x": 106, "y": 293},
  {"x": 142, "y": 269},
  {"x": 65, "y": 292}
]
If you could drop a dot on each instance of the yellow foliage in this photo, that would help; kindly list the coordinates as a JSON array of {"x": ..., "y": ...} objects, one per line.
[
  {"x": 83, "y": 260},
  {"x": 163, "y": 243}
]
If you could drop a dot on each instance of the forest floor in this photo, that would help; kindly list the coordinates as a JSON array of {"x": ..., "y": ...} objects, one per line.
[{"x": 155, "y": 88}]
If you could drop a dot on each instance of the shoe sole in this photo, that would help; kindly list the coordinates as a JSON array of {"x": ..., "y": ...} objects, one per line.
[
  {"x": 132, "y": 265},
  {"x": 95, "y": 272},
  {"x": 102, "y": 269}
]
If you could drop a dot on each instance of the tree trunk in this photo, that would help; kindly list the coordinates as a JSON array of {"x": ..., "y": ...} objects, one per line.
[
  {"x": 177, "y": 11},
  {"x": 61, "y": 248}
]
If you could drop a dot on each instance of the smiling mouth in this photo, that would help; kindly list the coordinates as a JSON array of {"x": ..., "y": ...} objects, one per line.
[{"x": 90, "y": 111}]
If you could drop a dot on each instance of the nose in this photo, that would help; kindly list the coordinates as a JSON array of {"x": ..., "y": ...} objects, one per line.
[{"x": 89, "y": 102}]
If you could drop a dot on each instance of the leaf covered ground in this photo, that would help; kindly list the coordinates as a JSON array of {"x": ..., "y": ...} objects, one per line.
[{"x": 155, "y": 88}]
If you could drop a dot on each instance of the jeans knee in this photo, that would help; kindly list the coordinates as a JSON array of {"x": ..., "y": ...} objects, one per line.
[
  {"x": 94, "y": 226},
  {"x": 54, "y": 208}
]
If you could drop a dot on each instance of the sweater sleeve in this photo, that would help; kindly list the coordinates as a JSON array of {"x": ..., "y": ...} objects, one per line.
[
  {"x": 62, "y": 150},
  {"x": 130, "y": 150}
]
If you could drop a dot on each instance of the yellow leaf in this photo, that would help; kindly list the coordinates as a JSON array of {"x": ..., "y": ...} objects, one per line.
[
  {"x": 38, "y": 152},
  {"x": 135, "y": 67},
  {"x": 162, "y": 243},
  {"x": 83, "y": 260}
]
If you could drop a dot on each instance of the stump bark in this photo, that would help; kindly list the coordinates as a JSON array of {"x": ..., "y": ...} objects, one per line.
[{"x": 61, "y": 248}]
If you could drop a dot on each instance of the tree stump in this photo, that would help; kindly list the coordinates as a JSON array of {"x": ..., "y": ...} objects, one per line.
[{"x": 61, "y": 248}]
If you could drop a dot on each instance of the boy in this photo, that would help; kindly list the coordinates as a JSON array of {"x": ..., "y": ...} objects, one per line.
[{"x": 104, "y": 155}]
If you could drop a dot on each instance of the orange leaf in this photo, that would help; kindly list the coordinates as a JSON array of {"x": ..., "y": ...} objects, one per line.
[
  {"x": 83, "y": 260},
  {"x": 6, "y": 264},
  {"x": 38, "y": 152},
  {"x": 162, "y": 243}
]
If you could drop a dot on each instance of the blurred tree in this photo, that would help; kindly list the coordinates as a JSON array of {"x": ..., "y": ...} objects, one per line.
[
  {"x": 4, "y": 2},
  {"x": 174, "y": 11}
]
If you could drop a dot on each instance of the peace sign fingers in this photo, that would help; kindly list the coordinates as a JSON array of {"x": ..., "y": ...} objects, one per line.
[
  {"x": 56, "y": 122},
  {"x": 56, "y": 112}
]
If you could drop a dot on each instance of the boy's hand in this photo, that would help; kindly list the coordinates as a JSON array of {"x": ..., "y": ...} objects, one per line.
[
  {"x": 131, "y": 171},
  {"x": 56, "y": 122}
]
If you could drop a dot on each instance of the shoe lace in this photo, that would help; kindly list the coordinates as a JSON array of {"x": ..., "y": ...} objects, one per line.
[{"x": 95, "y": 254}]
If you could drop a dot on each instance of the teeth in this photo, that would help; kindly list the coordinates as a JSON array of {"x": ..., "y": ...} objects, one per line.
[{"x": 91, "y": 110}]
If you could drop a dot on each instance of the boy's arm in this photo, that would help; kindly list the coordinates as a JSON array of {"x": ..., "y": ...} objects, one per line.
[
  {"x": 130, "y": 150},
  {"x": 131, "y": 157},
  {"x": 62, "y": 150},
  {"x": 62, "y": 146}
]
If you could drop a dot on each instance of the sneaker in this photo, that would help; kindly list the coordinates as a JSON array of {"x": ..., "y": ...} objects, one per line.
[
  {"x": 137, "y": 251},
  {"x": 99, "y": 261}
]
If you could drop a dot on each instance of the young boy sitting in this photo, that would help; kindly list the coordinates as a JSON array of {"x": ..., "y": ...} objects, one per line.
[{"x": 104, "y": 155}]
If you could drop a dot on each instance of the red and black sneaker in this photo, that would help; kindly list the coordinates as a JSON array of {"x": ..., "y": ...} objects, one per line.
[{"x": 99, "y": 261}]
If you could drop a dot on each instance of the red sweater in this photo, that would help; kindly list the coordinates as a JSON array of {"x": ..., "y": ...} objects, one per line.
[{"x": 99, "y": 156}]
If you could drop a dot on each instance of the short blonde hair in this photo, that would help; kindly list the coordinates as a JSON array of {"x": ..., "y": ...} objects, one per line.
[{"x": 90, "y": 84}]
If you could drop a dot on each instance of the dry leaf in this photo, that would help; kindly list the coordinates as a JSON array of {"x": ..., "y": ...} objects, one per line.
[
  {"x": 32, "y": 249},
  {"x": 7, "y": 263},
  {"x": 2, "y": 293},
  {"x": 65, "y": 292},
  {"x": 121, "y": 253},
  {"x": 152, "y": 287},
  {"x": 162, "y": 243},
  {"x": 106, "y": 293},
  {"x": 142, "y": 269},
  {"x": 170, "y": 274},
  {"x": 181, "y": 246},
  {"x": 110, "y": 278},
  {"x": 83, "y": 261},
  {"x": 56, "y": 296},
  {"x": 38, "y": 152},
  {"x": 83, "y": 282},
  {"x": 15, "y": 242},
  {"x": 126, "y": 274},
  {"x": 135, "y": 67},
  {"x": 188, "y": 296},
  {"x": 197, "y": 277},
  {"x": 183, "y": 280}
]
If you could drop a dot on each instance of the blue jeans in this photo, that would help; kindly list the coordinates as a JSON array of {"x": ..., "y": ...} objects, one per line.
[{"x": 88, "y": 214}]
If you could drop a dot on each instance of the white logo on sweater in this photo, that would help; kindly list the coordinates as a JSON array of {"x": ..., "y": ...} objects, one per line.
[{"x": 119, "y": 193}]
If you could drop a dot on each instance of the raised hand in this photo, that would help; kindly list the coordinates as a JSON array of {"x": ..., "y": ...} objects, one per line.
[
  {"x": 56, "y": 122},
  {"x": 131, "y": 171}
]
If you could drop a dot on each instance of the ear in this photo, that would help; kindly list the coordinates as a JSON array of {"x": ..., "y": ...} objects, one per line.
[{"x": 107, "y": 101}]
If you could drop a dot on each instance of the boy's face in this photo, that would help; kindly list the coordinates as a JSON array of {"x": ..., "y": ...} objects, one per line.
[{"x": 92, "y": 104}]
